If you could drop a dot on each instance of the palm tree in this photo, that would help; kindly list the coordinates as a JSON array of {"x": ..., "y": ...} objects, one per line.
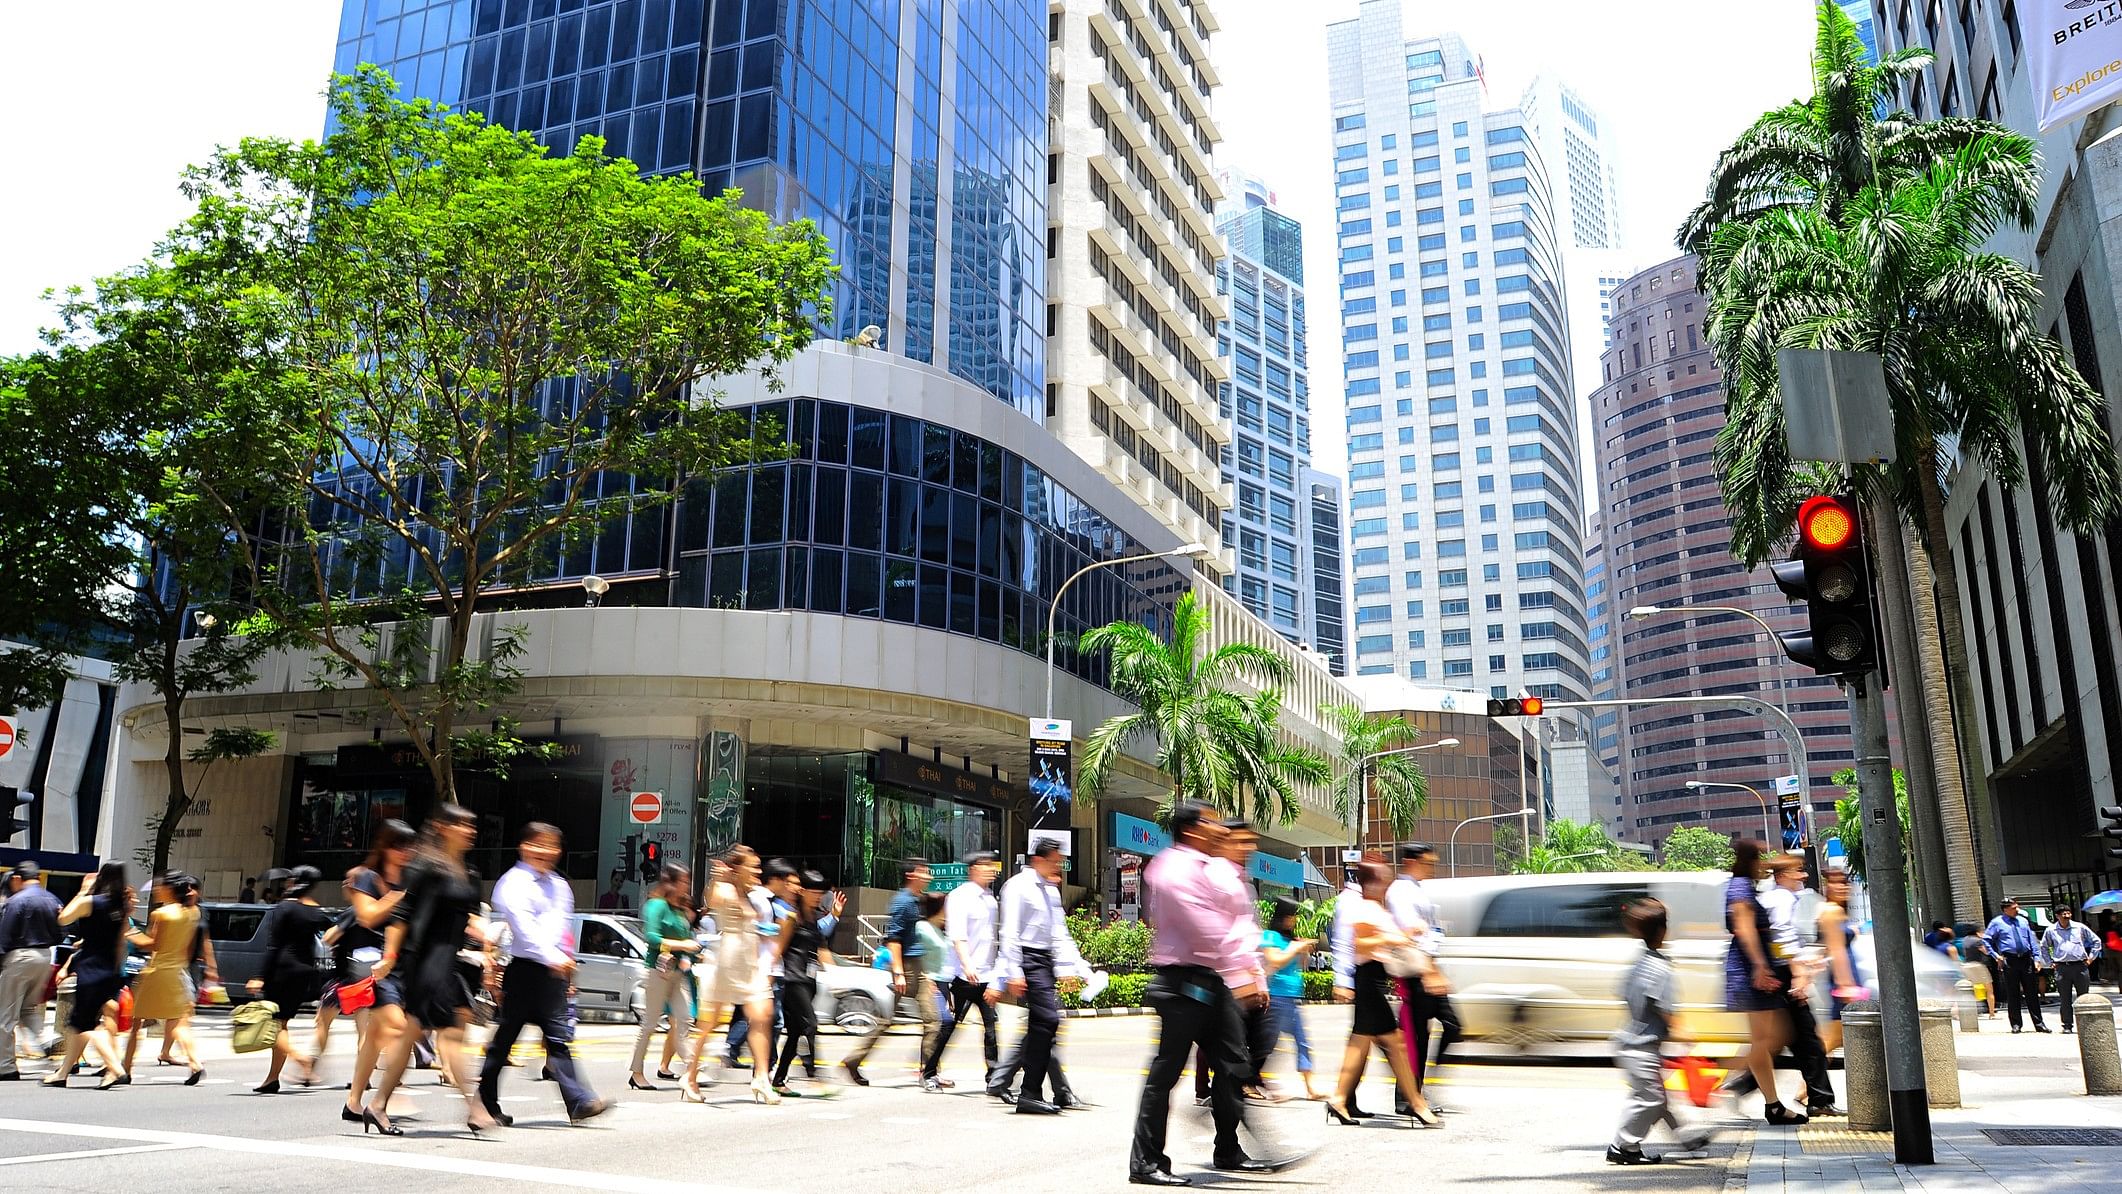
[
  {"x": 1569, "y": 847},
  {"x": 1829, "y": 226},
  {"x": 1398, "y": 781},
  {"x": 1214, "y": 715}
]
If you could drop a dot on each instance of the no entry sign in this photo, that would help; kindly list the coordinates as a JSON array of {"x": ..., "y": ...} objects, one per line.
[
  {"x": 646, "y": 807},
  {"x": 7, "y": 736}
]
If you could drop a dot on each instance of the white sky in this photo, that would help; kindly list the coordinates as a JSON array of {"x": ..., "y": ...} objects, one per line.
[{"x": 130, "y": 91}]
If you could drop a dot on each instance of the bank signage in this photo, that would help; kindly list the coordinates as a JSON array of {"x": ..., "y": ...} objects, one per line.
[
  {"x": 1137, "y": 836},
  {"x": 925, "y": 775},
  {"x": 2073, "y": 55},
  {"x": 1053, "y": 774}
]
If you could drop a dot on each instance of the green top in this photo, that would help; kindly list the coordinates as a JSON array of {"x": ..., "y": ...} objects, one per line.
[
  {"x": 660, "y": 920},
  {"x": 935, "y": 951}
]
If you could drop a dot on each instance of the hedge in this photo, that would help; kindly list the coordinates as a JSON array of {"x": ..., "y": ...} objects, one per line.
[{"x": 1126, "y": 990}]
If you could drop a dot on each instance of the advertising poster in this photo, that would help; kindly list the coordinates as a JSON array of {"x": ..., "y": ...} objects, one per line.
[
  {"x": 1791, "y": 809},
  {"x": 1052, "y": 782},
  {"x": 2073, "y": 56}
]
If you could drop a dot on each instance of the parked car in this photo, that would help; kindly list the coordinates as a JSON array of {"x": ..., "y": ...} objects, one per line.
[
  {"x": 609, "y": 964},
  {"x": 238, "y": 934},
  {"x": 1539, "y": 959},
  {"x": 855, "y": 997}
]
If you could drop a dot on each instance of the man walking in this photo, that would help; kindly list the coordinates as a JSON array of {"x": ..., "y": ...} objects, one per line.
[
  {"x": 1034, "y": 932},
  {"x": 29, "y": 928},
  {"x": 1427, "y": 999},
  {"x": 538, "y": 907},
  {"x": 2070, "y": 948},
  {"x": 2013, "y": 941},
  {"x": 902, "y": 943},
  {"x": 1205, "y": 979},
  {"x": 970, "y": 914}
]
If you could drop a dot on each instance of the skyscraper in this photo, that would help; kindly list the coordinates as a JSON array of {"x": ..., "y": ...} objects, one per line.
[
  {"x": 1860, "y": 13},
  {"x": 1132, "y": 309},
  {"x": 1659, "y": 407},
  {"x": 1268, "y": 402},
  {"x": 1466, "y": 546}
]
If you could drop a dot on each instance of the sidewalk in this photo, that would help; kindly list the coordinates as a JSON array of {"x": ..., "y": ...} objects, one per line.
[{"x": 2008, "y": 1083}]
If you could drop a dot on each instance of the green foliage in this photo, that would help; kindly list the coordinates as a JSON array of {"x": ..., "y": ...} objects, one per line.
[
  {"x": 1396, "y": 780},
  {"x": 1849, "y": 820},
  {"x": 1827, "y": 227},
  {"x": 1125, "y": 990},
  {"x": 1219, "y": 743},
  {"x": 1568, "y": 847},
  {"x": 1318, "y": 986},
  {"x": 1118, "y": 947},
  {"x": 1314, "y": 916},
  {"x": 1693, "y": 848}
]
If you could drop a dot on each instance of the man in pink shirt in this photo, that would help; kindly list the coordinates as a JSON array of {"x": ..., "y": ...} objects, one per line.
[{"x": 1204, "y": 949}]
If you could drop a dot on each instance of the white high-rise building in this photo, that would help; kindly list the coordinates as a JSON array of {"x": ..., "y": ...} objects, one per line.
[
  {"x": 1466, "y": 530},
  {"x": 1132, "y": 310}
]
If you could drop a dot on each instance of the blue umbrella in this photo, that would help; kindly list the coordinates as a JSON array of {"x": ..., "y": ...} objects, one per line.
[{"x": 2106, "y": 899}]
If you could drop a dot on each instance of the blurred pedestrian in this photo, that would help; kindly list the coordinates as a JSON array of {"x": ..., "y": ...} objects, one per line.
[
  {"x": 802, "y": 952},
  {"x": 165, "y": 991},
  {"x": 1796, "y": 973},
  {"x": 769, "y": 901},
  {"x": 1750, "y": 982},
  {"x": 1034, "y": 940},
  {"x": 667, "y": 989},
  {"x": 289, "y": 976},
  {"x": 1639, "y": 1045},
  {"x": 373, "y": 890},
  {"x": 1284, "y": 956},
  {"x": 103, "y": 909},
  {"x": 1838, "y": 937},
  {"x": 1379, "y": 938},
  {"x": 971, "y": 914},
  {"x": 741, "y": 977},
  {"x": 29, "y": 931},
  {"x": 538, "y": 907},
  {"x": 902, "y": 946},
  {"x": 2070, "y": 949},
  {"x": 2017, "y": 951},
  {"x": 1426, "y": 1000},
  {"x": 437, "y": 914}
]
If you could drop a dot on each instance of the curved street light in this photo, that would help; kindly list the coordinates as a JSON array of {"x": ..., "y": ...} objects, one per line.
[
  {"x": 1194, "y": 550},
  {"x": 1363, "y": 782},
  {"x": 1769, "y": 836}
]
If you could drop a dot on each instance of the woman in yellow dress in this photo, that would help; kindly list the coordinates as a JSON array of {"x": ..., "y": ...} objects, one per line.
[{"x": 164, "y": 990}]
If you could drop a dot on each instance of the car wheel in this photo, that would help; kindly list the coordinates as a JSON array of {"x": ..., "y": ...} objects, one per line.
[{"x": 855, "y": 1011}]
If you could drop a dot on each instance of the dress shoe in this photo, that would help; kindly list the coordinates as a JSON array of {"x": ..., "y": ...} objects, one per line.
[
  {"x": 2041, "y": 1028},
  {"x": 1245, "y": 1165},
  {"x": 854, "y": 1073},
  {"x": 1628, "y": 1156},
  {"x": 1824, "y": 1111},
  {"x": 2069, "y": 1030},
  {"x": 1002, "y": 1094},
  {"x": 1030, "y": 1106},
  {"x": 1072, "y": 1102},
  {"x": 1158, "y": 1177},
  {"x": 589, "y": 1110},
  {"x": 11, "y": 1076}
]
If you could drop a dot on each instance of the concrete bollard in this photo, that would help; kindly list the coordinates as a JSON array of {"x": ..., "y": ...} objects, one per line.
[
  {"x": 1864, "y": 1067},
  {"x": 1970, "y": 1011},
  {"x": 2096, "y": 1045},
  {"x": 1941, "y": 1058}
]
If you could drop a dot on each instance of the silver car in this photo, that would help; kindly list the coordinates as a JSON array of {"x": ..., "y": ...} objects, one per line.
[{"x": 609, "y": 953}]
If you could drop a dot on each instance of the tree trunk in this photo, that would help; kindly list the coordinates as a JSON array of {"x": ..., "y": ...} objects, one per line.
[
  {"x": 1951, "y": 811},
  {"x": 1932, "y": 888},
  {"x": 1986, "y": 834},
  {"x": 178, "y": 801}
]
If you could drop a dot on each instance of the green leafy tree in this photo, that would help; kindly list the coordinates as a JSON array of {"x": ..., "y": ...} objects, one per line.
[
  {"x": 487, "y": 355},
  {"x": 1211, "y": 713},
  {"x": 1693, "y": 848},
  {"x": 1849, "y": 817},
  {"x": 1397, "y": 781},
  {"x": 1827, "y": 226},
  {"x": 1565, "y": 847}
]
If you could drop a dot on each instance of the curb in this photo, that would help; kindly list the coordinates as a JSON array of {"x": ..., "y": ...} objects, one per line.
[{"x": 1082, "y": 1012}]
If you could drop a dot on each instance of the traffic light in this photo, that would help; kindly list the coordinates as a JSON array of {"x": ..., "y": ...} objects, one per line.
[
  {"x": 2111, "y": 830},
  {"x": 1828, "y": 574},
  {"x": 11, "y": 823},
  {"x": 651, "y": 861},
  {"x": 1515, "y": 706},
  {"x": 628, "y": 854}
]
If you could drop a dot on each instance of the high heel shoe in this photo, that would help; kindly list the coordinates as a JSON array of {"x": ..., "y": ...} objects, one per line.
[
  {"x": 1335, "y": 1115},
  {"x": 691, "y": 1094},
  {"x": 667, "y": 1075},
  {"x": 634, "y": 1082},
  {"x": 351, "y": 1116},
  {"x": 117, "y": 1080},
  {"x": 383, "y": 1126},
  {"x": 1426, "y": 1117},
  {"x": 272, "y": 1087},
  {"x": 763, "y": 1093},
  {"x": 192, "y": 1079}
]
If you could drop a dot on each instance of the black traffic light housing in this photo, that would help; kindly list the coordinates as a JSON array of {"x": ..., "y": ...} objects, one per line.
[
  {"x": 1829, "y": 573},
  {"x": 11, "y": 823},
  {"x": 1515, "y": 706},
  {"x": 2111, "y": 830},
  {"x": 651, "y": 861}
]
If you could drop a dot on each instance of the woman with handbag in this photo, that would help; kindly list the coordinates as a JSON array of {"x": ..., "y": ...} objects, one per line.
[
  {"x": 102, "y": 909},
  {"x": 667, "y": 989},
  {"x": 289, "y": 976},
  {"x": 164, "y": 990},
  {"x": 437, "y": 913},
  {"x": 372, "y": 895},
  {"x": 1382, "y": 952}
]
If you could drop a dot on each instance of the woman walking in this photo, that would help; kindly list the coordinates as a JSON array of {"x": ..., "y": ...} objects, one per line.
[
  {"x": 438, "y": 911},
  {"x": 289, "y": 976},
  {"x": 667, "y": 989},
  {"x": 1837, "y": 934},
  {"x": 741, "y": 976},
  {"x": 801, "y": 948},
  {"x": 372, "y": 891},
  {"x": 1376, "y": 937},
  {"x": 164, "y": 990},
  {"x": 1284, "y": 956},
  {"x": 98, "y": 967},
  {"x": 1750, "y": 983}
]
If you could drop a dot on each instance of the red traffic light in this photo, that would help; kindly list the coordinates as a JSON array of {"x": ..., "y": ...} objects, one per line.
[
  {"x": 1826, "y": 524},
  {"x": 1531, "y": 706}
]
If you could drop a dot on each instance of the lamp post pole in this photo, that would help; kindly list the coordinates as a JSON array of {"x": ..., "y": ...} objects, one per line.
[
  {"x": 1768, "y": 835},
  {"x": 1054, "y": 611},
  {"x": 1362, "y": 801}
]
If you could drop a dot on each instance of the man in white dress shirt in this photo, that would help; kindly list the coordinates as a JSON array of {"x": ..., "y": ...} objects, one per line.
[
  {"x": 1034, "y": 937},
  {"x": 970, "y": 913},
  {"x": 1428, "y": 999}
]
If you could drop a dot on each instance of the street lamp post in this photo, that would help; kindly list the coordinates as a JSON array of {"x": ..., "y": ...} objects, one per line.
[
  {"x": 1195, "y": 550},
  {"x": 1363, "y": 783},
  {"x": 1769, "y": 837},
  {"x": 1451, "y": 848}
]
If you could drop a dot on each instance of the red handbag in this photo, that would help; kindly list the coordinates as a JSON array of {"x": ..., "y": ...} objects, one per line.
[
  {"x": 1700, "y": 1076},
  {"x": 356, "y": 995}
]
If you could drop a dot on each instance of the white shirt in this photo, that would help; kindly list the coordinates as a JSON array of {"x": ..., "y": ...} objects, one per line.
[
  {"x": 1344, "y": 937},
  {"x": 762, "y": 902},
  {"x": 969, "y": 915},
  {"x": 539, "y": 910},
  {"x": 1781, "y": 904},
  {"x": 1032, "y": 919},
  {"x": 1412, "y": 909}
]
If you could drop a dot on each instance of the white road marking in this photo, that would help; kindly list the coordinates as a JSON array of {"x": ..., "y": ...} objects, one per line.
[
  {"x": 903, "y": 1119},
  {"x": 463, "y": 1167},
  {"x": 94, "y": 1152}
]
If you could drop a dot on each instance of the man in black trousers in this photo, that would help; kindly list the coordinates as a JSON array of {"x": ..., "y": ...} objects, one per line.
[
  {"x": 1034, "y": 934},
  {"x": 539, "y": 908}
]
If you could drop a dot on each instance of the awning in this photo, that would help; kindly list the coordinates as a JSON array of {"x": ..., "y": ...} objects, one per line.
[{"x": 1313, "y": 876}]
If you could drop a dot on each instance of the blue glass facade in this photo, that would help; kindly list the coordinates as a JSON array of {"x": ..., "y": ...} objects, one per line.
[{"x": 800, "y": 103}]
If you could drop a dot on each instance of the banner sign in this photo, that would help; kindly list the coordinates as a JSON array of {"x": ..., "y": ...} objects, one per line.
[
  {"x": 1052, "y": 775},
  {"x": 1133, "y": 835},
  {"x": 2073, "y": 55},
  {"x": 1790, "y": 807}
]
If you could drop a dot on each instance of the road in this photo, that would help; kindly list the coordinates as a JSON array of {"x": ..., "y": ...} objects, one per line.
[{"x": 1532, "y": 1126}]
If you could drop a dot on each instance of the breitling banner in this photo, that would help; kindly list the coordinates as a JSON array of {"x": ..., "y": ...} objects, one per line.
[{"x": 2074, "y": 55}]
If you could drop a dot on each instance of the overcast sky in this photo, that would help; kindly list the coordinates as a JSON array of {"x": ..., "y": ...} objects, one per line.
[{"x": 125, "y": 93}]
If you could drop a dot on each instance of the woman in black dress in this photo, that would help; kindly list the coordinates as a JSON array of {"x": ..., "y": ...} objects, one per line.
[
  {"x": 437, "y": 913},
  {"x": 1374, "y": 935},
  {"x": 289, "y": 976},
  {"x": 103, "y": 910},
  {"x": 373, "y": 893}
]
